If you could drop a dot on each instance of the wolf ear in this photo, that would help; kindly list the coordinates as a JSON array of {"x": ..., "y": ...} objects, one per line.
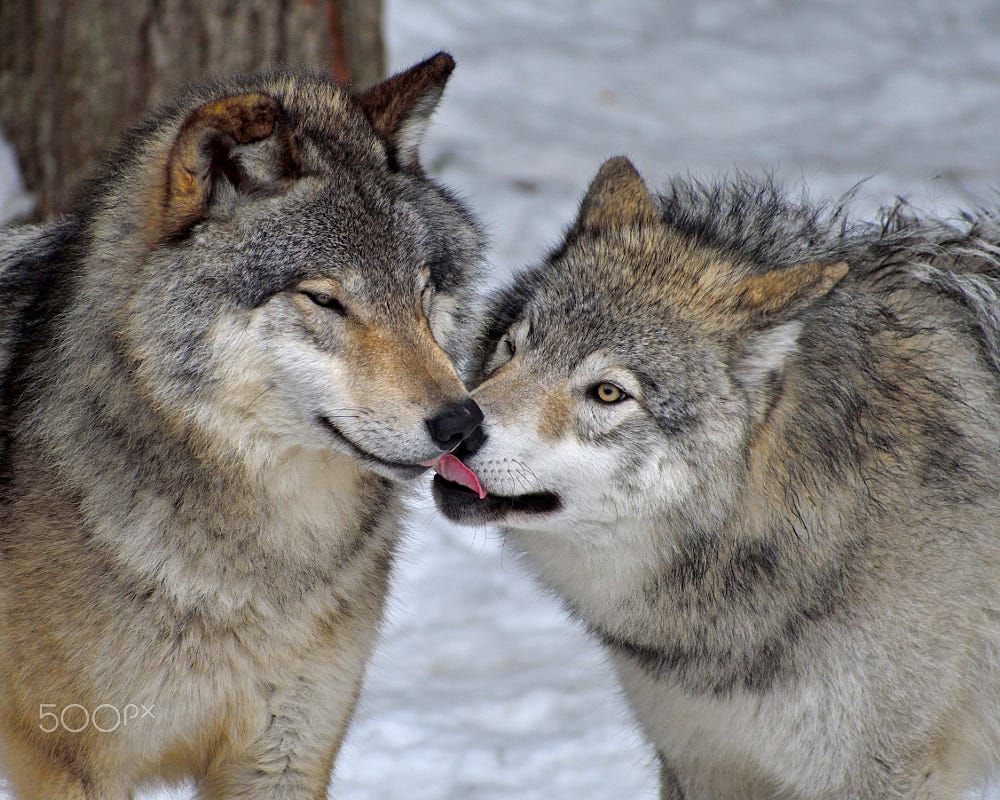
[
  {"x": 771, "y": 297},
  {"x": 769, "y": 304},
  {"x": 399, "y": 108},
  {"x": 617, "y": 197},
  {"x": 230, "y": 146}
]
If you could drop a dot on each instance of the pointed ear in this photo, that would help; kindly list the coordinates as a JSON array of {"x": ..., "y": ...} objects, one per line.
[
  {"x": 400, "y": 107},
  {"x": 617, "y": 197},
  {"x": 772, "y": 297},
  {"x": 769, "y": 304},
  {"x": 224, "y": 148}
]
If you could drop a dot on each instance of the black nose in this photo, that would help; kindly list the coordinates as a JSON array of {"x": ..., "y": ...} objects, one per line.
[
  {"x": 453, "y": 423},
  {"x": 471, "y": 443}
]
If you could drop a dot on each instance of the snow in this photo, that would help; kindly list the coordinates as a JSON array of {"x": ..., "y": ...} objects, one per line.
[
  {"x": 481, "y": 687},
  {"x": 15, "y": 202}
]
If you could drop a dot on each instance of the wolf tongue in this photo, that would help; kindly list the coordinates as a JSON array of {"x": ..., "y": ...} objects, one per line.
[{"x": 452, "y": 469}]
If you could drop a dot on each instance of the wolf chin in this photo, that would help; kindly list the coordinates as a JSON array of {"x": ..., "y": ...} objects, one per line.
[
  {"x": 753, "y": 446},
  {"x": 214, "y": 370}
]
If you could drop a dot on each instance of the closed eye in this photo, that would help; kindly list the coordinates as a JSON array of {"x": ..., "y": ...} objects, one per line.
[
  {"x": 427, "y": 300},
  {"x": 504, "y": 352},
  {"x": 327, "y": 300}
]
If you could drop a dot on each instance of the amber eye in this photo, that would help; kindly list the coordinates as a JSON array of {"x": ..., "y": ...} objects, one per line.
[{"x": 608, "y": 393}]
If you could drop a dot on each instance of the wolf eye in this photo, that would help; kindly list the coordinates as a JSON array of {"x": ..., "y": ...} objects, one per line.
[
  {"x": 327, "y": 300},
  {"x": 608, "y": 393},
  {"x": 502, "y": 354},
  {"x": 427, "y": 299}
]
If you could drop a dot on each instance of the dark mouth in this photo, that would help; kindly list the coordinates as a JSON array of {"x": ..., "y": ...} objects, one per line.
[
  {"x": 462, "y": 505},
  {"x": 406, "y": 470}
]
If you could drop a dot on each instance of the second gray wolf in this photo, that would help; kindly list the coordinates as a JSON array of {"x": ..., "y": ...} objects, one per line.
[
  {"x": 215, "y": 370},
  {"x": 754, "y": 446}
]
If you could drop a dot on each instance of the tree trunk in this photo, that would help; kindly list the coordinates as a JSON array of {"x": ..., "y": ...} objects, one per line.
[{"x": 75, "y": 73}]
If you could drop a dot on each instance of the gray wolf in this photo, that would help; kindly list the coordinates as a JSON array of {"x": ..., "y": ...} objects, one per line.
[
  {"x": 215, "y": 371},
  {"x": 754, "y": 446}
]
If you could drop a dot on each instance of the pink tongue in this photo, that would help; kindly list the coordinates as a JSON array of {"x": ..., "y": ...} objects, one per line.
[{"x": 452, "y": 469}]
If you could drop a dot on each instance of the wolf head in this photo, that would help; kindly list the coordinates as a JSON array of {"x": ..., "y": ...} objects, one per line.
[
  {"x": 622, "y": 379},
  {"x": 271, "y": 265}
]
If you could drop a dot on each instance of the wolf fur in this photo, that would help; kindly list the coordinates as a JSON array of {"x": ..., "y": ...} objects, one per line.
[
  {"x": 786, "y": 529},
  {"x": 214, "y": 370}
]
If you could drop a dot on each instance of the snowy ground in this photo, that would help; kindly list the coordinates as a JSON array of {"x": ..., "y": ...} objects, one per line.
[{"x": 481, "y": 689}]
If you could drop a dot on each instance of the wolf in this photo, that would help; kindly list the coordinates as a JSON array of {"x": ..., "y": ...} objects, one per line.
[
  {"x": 217, "y": 372},
  {"x": 753, "y": 444}
]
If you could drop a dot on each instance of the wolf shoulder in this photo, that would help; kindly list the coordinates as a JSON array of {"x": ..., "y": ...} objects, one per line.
[
  {"x": 28, "y": 254},
  {"x": 29, "y": 257}
]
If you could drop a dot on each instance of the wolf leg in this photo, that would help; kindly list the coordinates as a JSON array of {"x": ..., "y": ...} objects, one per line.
[
  {"x": 252, "y": 780},
  {"x": 292, "y": 757},
  {"x": 289, "y": 762}
]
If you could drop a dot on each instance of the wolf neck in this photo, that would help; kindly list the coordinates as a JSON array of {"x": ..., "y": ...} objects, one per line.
[{"x": 711, "y": 606}]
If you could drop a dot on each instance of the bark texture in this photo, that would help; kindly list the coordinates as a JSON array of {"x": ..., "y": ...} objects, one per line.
[{"x": 74, "y": 73}]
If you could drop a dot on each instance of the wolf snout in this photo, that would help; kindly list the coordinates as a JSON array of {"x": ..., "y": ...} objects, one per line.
[{"x": 454, "y": 422}]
